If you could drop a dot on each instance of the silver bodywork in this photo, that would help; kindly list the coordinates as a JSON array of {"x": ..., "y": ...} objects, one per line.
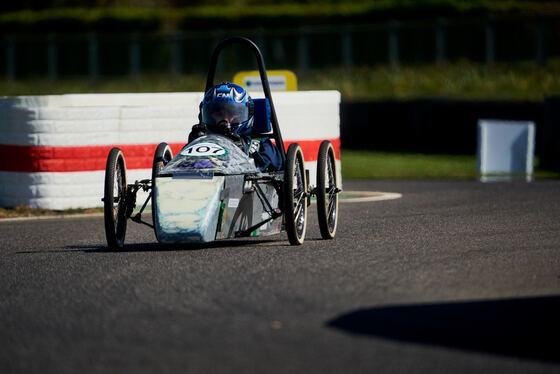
[{"x": 212, "y": 190}]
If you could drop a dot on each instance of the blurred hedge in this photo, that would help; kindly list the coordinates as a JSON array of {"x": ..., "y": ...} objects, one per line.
[
  {"x": 286, "y": 14},
  {"x": 82, "y": 20}
]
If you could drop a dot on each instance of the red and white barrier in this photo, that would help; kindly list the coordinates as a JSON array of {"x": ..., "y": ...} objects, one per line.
[{"x": 53, "y": 149}]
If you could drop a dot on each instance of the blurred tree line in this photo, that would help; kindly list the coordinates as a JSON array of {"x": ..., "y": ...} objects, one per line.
[
  {"x": 49, "y": 4},
  {"x": 35, "y": 16},
  {"x": 541, "y": 6},
  {"x": 99, "y": 38}
]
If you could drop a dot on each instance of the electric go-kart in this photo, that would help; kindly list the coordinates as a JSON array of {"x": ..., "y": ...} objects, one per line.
[{"x": 212, "y": 190}]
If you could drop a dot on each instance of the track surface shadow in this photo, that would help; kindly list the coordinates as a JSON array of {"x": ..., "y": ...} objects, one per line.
[
  {"x": 153, "y": 247},
  {"x": 523, "y": 327},
  {"x": 162, "y": 247}
]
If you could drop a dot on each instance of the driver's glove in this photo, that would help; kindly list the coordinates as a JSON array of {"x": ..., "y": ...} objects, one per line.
[{"x": 197, "y": 131}]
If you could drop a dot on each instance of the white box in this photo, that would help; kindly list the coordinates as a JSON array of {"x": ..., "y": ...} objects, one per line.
[{"x": 505, "y": 150}]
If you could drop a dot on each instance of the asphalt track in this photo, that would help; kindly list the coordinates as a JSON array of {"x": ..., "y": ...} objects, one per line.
[{"x": 455, "y": 276}]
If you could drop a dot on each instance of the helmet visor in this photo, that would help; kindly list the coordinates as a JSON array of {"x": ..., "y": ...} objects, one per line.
[{"x": 233, "y": 113}]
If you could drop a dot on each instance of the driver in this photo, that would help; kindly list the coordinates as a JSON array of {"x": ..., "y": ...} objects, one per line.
[{"x": 227, "y": 109}]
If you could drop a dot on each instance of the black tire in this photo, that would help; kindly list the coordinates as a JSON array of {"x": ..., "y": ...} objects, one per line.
[
  {"x": 162, "y": 156},
  {"x": 114, "y": 201},
  {"x": 295, "y": 195},
  {"x": 327, "y": 192}
]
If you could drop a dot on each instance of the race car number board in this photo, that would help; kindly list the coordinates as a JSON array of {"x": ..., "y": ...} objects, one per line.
[{"x": 204, "y": 149}]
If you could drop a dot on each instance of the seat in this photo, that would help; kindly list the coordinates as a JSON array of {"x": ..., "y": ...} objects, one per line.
[{"x": 261, "y": 114}]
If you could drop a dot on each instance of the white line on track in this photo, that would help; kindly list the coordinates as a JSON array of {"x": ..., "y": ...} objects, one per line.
[
  {"x": 63, "y": 216},
  {"x": 364, "y": 196},
  {"x": 347, "y": 197}
]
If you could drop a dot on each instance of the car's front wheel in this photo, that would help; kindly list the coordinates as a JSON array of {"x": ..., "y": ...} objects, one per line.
[
  {"x": 295, "y": 195},
  {"x": 114, "y": 199}
]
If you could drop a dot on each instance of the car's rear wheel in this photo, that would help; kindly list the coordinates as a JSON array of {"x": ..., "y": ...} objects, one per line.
[
  {"x": 162, "y": 156},
  {"x": 327, "y": 191},
  {"x": 295, "y": 195},
  {"x": 114, "y": 200}
]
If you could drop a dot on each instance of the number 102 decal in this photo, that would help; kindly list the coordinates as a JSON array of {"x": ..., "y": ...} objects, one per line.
[{"x": 204, "y": 149}]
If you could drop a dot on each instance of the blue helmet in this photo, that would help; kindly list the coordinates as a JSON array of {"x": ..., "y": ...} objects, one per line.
[{"x": 227, "y": 107}]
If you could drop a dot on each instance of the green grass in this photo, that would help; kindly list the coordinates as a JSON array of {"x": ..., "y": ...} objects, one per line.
[
  {"x": 390, "y": 165},
  {"x": 382, "y": 165},
  {"x": 461, "y": 80}
]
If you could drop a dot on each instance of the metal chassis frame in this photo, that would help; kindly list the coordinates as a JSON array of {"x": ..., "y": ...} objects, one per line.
[{"x": 130, "y": 198}]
